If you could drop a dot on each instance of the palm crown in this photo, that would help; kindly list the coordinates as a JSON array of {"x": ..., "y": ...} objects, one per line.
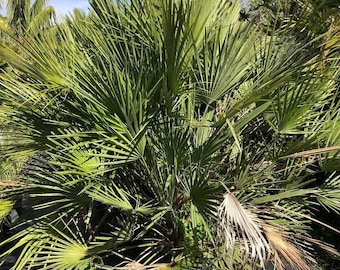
[
  {"x": 26, "y": 18},
  {"x": 160, "y": 132}
]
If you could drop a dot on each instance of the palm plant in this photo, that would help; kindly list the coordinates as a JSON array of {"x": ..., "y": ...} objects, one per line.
[
  {"x": 25, "y": 18},
  {"x": 307, "y": 17},
  {"x": 169, "y": 134}
]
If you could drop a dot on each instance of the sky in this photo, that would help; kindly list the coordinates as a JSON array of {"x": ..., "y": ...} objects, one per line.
[
  {"x": 63, "y": 7},
  {"x": 66, "y": 6}
]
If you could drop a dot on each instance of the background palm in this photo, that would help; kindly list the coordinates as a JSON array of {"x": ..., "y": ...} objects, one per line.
[
  {"x": 23, "y": 19},
  {"x": 27, "y": 17},
  {"x": 155, "y": 135}
]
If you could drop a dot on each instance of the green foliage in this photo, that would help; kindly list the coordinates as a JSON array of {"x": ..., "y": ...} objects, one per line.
[
  {"x": 159, "y": 134},
  {"x": 28, "y": 18},
  {"x": 5, "y": 208}
]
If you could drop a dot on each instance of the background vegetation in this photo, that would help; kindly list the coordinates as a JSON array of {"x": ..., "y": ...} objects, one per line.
[{"x": 171, "y": 134}]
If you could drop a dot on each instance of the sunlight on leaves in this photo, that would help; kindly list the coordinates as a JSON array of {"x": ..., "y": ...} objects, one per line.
[{"x": 5, "y": 207}]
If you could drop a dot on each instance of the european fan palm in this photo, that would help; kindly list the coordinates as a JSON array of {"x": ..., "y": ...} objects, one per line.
[
  {"x": 309, "y": 17},
  {"x": 26, "y": 18},
  {"x": 169, "y": 134}
]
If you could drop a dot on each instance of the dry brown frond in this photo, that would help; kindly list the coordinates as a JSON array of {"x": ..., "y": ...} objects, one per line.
[
  {"x": 284, "y": 249},
  {"x": 237, "y": 225},
  {"x": 134, "y": 266},
  {"x": 138, "y": 266},
  {"x": 12, "y": 184},
  {"x": 325, "y": 246},
  {"x": 313, "y": 152}
]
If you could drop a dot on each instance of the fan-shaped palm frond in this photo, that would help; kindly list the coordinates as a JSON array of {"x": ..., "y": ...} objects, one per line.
[
  {"x": 238, "y": 224},
  {"x": 139, "y": 116}
]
